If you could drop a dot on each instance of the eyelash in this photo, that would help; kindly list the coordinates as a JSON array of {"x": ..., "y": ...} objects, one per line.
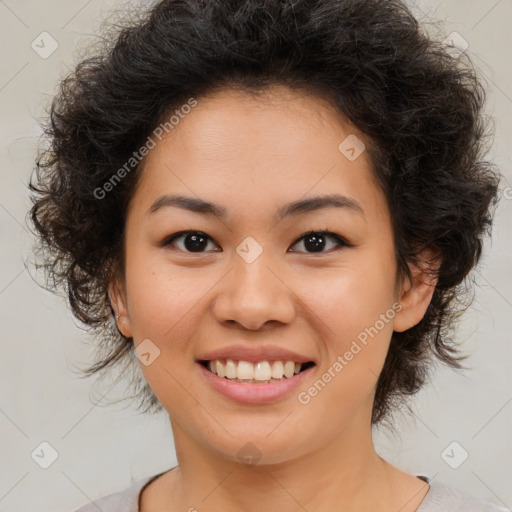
[{"x": 341, "y": 241}]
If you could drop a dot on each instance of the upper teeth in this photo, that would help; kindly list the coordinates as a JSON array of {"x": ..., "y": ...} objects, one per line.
[{"x": 262, "y": 370}]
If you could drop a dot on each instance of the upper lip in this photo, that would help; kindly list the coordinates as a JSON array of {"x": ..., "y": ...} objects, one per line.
[{"x": 254, "y": 354}]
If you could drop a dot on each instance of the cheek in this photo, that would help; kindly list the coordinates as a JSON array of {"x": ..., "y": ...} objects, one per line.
[
  {"x": 162, "y": 296},
  {"x": 164, "y": 305},
  {"x": 354, "y": 305},
  {"x": 355, "y": 322}
]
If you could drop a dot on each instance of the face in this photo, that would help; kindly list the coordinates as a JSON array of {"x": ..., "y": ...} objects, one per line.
[{"x": 247, "y": 278}]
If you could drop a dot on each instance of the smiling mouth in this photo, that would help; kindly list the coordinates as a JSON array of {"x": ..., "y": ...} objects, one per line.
[{"x": 263, "y": 372}]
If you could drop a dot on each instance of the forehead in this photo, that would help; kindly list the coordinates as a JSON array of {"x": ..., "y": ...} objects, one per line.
[{"x": 256, "y": 152}]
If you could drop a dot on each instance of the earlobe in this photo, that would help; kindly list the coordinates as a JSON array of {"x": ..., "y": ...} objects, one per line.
[
  {"x": 416, "y": 293},
  {"x": 117, "y": 299}
]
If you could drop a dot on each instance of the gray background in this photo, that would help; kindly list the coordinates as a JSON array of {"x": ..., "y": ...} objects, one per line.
[{"x": 104, "y": 449}]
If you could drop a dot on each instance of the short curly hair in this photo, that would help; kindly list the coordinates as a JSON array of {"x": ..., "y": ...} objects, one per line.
[{"x": 420, "y": 106}]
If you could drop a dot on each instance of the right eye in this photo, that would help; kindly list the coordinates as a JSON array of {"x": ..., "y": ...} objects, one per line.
[{"x": 192, "y": 241}]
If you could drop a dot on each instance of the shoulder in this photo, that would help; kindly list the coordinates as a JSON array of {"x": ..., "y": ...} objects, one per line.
[
  {"x": 442, "y": 497},
  {"x": 125, "y": 500}
]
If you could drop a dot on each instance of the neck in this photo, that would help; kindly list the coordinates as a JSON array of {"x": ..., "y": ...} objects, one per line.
[{"x": 345, "y": 473}]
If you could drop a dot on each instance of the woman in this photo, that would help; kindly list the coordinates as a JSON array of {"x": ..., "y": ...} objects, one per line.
[{"x": 278, "y": 202}]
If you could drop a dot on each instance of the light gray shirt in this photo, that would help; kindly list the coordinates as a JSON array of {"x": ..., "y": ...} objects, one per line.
[{"x": 440, "y": 498}]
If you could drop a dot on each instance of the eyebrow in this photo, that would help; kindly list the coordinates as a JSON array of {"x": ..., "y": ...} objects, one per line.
[{"x": 295, "y": 208}]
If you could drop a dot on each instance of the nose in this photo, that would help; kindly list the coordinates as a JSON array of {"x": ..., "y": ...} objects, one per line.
[{"x": 252, "y": 295}]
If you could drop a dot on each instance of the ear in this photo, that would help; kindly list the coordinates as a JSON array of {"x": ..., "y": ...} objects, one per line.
[
  {"x": 117, "y": 296},
  {"x": 415, "y": 294}
]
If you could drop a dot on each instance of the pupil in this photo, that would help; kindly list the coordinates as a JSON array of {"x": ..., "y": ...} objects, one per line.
[
  {"x": 195, "y": 242},
  {"x": 315, "y": 241}
]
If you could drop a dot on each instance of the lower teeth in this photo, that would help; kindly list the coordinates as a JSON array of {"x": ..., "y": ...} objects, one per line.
[{"x": 253, "y": 381}]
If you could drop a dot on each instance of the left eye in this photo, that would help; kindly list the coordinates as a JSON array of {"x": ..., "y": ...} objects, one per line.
[
  {"x": 196, "y": 241},
  {"x": 316, "y": 240}
]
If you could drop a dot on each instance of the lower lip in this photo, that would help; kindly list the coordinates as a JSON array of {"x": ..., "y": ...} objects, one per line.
[{"x": 254, "y": 393}]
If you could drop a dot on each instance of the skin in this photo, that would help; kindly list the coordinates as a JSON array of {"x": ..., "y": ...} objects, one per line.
[{"x": 252, "y": 155}]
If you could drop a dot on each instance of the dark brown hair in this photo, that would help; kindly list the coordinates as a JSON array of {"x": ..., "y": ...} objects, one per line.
[{"x": 421, "y": 108}]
